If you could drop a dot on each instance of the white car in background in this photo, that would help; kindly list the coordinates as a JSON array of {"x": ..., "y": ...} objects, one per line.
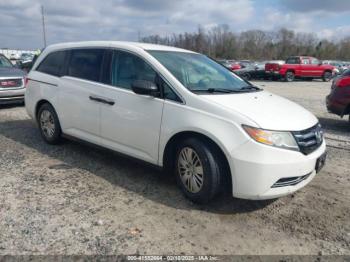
[
  {"x": 15, "y": 56},
  {"x": 178, "y": 110}
]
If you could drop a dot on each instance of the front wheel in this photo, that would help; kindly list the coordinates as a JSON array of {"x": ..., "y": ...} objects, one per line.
[
  {"x": 327, "y": 76},
  {"x": 198, "y": 170},
  {"x": 49, "y": 124}
]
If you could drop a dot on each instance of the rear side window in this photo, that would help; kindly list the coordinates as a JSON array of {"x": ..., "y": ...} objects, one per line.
[
  {"x": 53, "y": 63},
  {"x": 293, "y": 60},
  {"x": 86, "y": 64}
]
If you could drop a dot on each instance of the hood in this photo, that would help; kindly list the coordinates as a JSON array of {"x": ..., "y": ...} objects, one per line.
[
  {"x": 325, "y": 66},
  {"x": 269, "y": 111},
  {"x": 11, "y": 72}
]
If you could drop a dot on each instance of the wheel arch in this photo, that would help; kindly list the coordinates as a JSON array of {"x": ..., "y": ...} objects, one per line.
[
  {"x": 346, "y": 110},
  {"x": 324, "y": 73},
  {"x": 170, "y": 149},
  {"x": 40, "y": 103}
]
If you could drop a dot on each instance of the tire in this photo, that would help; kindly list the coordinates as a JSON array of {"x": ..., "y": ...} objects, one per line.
[
  {"x": 327, "y": 76},
  {"x": 289, "y": 76},
  {"x": 198, "y": 170},
  {"x": 49, "y": 124},
  {"x": 246, "y": 76}
]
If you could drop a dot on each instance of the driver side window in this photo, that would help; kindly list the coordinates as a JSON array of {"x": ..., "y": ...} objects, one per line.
[
  {"x": 305, "y": 61},
  {"x": 126, "y": 68}
]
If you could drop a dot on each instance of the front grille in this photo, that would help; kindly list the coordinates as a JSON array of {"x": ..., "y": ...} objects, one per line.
[
  {"x": 290, "y": 181},
  {"x": 309, "y": 139},
  {"x": 11, "y": 82}
]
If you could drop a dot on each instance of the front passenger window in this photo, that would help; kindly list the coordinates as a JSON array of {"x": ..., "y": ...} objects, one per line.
[
  {"x": 315, "y": 61},
  {"x": 126, "y": 68},
  {"x": 169, "y": 94}
]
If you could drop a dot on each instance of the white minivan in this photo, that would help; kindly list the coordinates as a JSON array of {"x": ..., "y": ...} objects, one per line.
[{"x": 178, "y": 110}]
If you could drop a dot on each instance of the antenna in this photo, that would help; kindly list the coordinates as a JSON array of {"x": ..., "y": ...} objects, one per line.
[{"x": 43, "y": 22}]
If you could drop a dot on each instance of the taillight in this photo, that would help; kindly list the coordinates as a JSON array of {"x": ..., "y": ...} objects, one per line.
[
  {"x": 26, "y": 81},
  {"x": 343, "y": 82}
]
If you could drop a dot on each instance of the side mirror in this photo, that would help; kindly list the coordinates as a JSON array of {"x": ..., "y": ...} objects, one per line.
[{"x": 144, "y": 87}]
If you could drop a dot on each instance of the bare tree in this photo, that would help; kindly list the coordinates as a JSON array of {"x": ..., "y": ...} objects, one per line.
[{"x": 221, "y": 42}]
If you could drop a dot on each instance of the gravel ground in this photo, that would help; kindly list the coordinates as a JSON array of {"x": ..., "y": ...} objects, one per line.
[{"x": 77, "y": 199}]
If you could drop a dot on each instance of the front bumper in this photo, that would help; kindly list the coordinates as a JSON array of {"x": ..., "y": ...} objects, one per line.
[
  {"x": 12, "y": 96},
  {"x": 255, "y": 168}
]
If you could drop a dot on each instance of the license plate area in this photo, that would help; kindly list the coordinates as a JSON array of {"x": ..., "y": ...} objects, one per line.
[{"x": 320, "y": 162}]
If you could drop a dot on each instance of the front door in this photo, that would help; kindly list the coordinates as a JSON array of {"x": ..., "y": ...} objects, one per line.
[
  {"x": 132, "y": 124},
  {"x": 310, "y": 67}
]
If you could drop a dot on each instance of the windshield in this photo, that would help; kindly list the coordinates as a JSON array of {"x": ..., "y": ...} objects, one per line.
[
  {"x": 199, "y": 73},
  {"x": 4, "y": 62}
]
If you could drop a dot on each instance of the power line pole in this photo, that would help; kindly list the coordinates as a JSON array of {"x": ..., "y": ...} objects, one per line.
[
  {"x": 138, "y": 36},
  {"x": 43, "y": 22}
]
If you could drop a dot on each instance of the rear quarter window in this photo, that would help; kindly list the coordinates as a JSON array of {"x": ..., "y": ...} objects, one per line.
[{"x": 53, "y": 63}]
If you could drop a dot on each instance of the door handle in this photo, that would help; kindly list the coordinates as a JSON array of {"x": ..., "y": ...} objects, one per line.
[{"x": 102, "y": 100}]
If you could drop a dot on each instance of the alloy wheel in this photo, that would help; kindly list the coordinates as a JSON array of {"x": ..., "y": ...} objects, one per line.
[
  {"x": 47, "y": 123},
  {"x": 190, "y": 170}
]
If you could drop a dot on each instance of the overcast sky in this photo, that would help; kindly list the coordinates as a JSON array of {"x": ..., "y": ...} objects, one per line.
[{"x": 77, "y": 20}]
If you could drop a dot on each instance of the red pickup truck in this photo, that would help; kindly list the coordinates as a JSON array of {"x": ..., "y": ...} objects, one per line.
[{"x": 300, "y": 67}]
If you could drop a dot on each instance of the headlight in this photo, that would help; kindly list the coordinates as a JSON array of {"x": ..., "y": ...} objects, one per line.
[{"x": 279, "y": 139}]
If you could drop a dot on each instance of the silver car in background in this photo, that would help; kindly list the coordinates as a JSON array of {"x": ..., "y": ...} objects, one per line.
[{"x": 12, "y": 82}]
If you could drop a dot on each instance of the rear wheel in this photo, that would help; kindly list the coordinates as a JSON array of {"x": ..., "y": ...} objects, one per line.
[
  {"x": 327, "y": 76},
  {"x": 198, "y": 171},
  {"x": 290, "y": 76},
  {"x": 49, "y": 124}
]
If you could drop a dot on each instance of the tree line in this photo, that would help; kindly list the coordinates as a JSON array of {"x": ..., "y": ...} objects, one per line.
[{"x": 221, "y": 42}]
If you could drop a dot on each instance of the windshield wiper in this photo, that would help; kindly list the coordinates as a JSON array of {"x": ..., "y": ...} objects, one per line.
[
  {"x": 225, "y": 90},
  {"x": 215, "y": 90},
  {"x": 250, "y": 87}
]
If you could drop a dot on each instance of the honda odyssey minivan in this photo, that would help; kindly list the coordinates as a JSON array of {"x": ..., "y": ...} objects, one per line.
[{"x": 179, "y": 110}]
